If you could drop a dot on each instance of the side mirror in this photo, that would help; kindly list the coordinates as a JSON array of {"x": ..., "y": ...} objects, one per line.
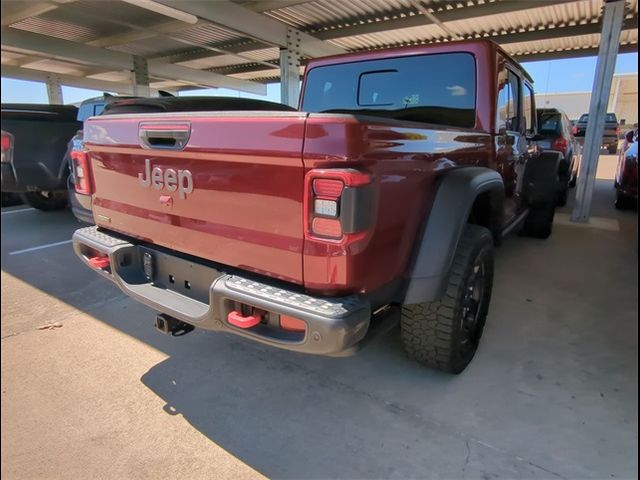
[{"x": 629, "y": 136}]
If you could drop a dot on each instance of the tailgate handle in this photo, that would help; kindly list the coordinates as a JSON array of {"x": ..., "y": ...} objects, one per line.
[{"x": 164, "y": 136}]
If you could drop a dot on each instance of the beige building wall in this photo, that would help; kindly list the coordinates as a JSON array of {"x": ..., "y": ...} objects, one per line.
[{"x": 623, "y": 100}]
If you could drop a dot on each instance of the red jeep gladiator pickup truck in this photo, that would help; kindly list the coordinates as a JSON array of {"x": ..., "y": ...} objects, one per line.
[{"x": 389, "y": 186}]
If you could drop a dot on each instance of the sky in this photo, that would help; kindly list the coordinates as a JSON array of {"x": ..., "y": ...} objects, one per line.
[{"x": 550, "y": 76}]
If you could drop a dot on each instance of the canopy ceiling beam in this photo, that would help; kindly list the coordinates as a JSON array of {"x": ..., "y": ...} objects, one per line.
[
  {"x": 56, "y": 47},
  {"x": 254, "y": 25}
]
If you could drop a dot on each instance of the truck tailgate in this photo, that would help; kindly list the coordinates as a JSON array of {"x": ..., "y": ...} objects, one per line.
[{"x": 224, "y": 186}]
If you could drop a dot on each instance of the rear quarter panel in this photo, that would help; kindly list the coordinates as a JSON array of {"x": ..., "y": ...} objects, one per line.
[{"x": 405, "y": 160}]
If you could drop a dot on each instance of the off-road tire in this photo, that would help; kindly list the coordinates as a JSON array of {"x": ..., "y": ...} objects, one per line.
[
  {"x": 435, "y": 333},
  {"x": 53, "y": 200},
  {"x": 9, "y": 199},
  {"x": 539, "y": 221},
  {"x": 563, "y": 190},
  {"x": 624, "y": 202}
]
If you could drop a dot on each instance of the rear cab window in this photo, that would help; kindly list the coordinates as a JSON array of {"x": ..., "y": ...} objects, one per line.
[
  {"x": 550, "y": 124},
  {"x": 90, "y": 109},
  {"x": 610, "y": 117},
  {"x": 433, "y": 88}
]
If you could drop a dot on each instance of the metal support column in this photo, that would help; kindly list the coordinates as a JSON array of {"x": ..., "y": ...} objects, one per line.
[
  {"x": 54, "y": 89},
  {"x": 140, "y": 77},
  {"x": 290, "y": 69},
  {"x": 607, "y": 52}
]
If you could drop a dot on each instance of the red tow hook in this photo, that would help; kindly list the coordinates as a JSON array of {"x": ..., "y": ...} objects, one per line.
[
  {"x": 236, "y": 319},
  {"x": 99, "y": 262}
]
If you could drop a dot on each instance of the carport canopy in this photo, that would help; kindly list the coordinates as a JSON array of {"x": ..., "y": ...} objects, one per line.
[{"x": 141, "y": 46}]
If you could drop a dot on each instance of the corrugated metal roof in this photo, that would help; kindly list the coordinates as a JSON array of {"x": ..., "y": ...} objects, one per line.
[
  {"x": 56, "y": 28},
  {"x": 352, "y": 25}
]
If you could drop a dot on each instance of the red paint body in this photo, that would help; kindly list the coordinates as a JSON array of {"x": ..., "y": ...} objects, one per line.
[
  {"x": 247, "y": 205},
  {"x": 626, "y": 180}
]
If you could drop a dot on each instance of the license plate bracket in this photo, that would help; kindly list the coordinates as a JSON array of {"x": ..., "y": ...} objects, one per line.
[{"x": 178, "y": 274}]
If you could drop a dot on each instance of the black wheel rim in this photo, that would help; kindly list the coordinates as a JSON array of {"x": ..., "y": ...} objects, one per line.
[{"x": 473, "y": 305}]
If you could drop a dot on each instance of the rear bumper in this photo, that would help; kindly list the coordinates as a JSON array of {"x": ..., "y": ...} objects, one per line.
[
  {"x": 333, "y": 325},
  {"x": 606, "y": 139},
  {"x": 80, "y": 204}
]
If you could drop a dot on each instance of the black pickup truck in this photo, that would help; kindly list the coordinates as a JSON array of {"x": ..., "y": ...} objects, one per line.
[
  {"x": 609, "y": 135},
  {"x": 35, "y": 137}
]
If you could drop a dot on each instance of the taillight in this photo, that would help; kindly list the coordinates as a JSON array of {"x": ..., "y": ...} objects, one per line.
[
  {"x": 81, "y": 172},
  {"x": 7, "y": 146},
  {"x": 337, "y": 202},
  {"x": 559, "y": 144},
  {"x": 575, "y": 129}
]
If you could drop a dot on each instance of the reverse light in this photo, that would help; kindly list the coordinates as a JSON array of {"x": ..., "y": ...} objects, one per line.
[
  {"x": 328, "y": 208},
  {"x": 81, "y": 172}
]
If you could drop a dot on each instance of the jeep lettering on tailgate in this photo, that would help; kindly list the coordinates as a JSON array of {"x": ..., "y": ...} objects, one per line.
[{"x": 182, "y": 180}]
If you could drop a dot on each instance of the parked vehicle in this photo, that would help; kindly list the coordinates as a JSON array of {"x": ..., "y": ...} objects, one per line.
[
  {"x": 37, "y": 137},
  {"x": 610, "y": 134},
  {"x": 81, "y": 204},
  {"x": 555, "y": 132},
  {"x": 626, "y": 181},
  {"x": 389, "y": 187}
]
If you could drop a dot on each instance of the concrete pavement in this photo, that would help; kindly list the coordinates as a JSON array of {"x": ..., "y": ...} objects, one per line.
[{"x": 91, "y": 390}]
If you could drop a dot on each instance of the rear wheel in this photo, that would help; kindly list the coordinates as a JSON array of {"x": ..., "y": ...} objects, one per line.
[
  {"x": 445, "y": 333},
  {"x": 539, "y": 221},
  {"x": 46, "y": 200},
  {"x": 10, "y": 199},
  {"x": 624, "y": 202},
  {"x": 563, "y": 188}
]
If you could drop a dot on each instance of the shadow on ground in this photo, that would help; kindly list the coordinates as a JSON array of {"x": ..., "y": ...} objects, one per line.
[{"x": 551, "y": 393}]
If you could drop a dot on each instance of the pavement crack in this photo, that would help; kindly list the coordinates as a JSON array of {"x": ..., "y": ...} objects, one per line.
[
  {"x": 400, "y": 410},
  {"x": 466, "y": 460},
  {"x": 89, "y": 309},
  {"x": 12, "y": 335}
]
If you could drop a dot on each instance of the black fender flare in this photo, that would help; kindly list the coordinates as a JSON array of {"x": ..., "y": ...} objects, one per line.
[
  {"x": 456, "y": 193},
  {"x": 541, "y": 180}
]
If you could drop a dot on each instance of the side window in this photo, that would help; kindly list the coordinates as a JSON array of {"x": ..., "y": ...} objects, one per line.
[
  {"x": 98, "y": 108},
  {"x": 504, "y": 107},
  {"x": 507, "y": 106},
  {"x": 528, "y": 109}
]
